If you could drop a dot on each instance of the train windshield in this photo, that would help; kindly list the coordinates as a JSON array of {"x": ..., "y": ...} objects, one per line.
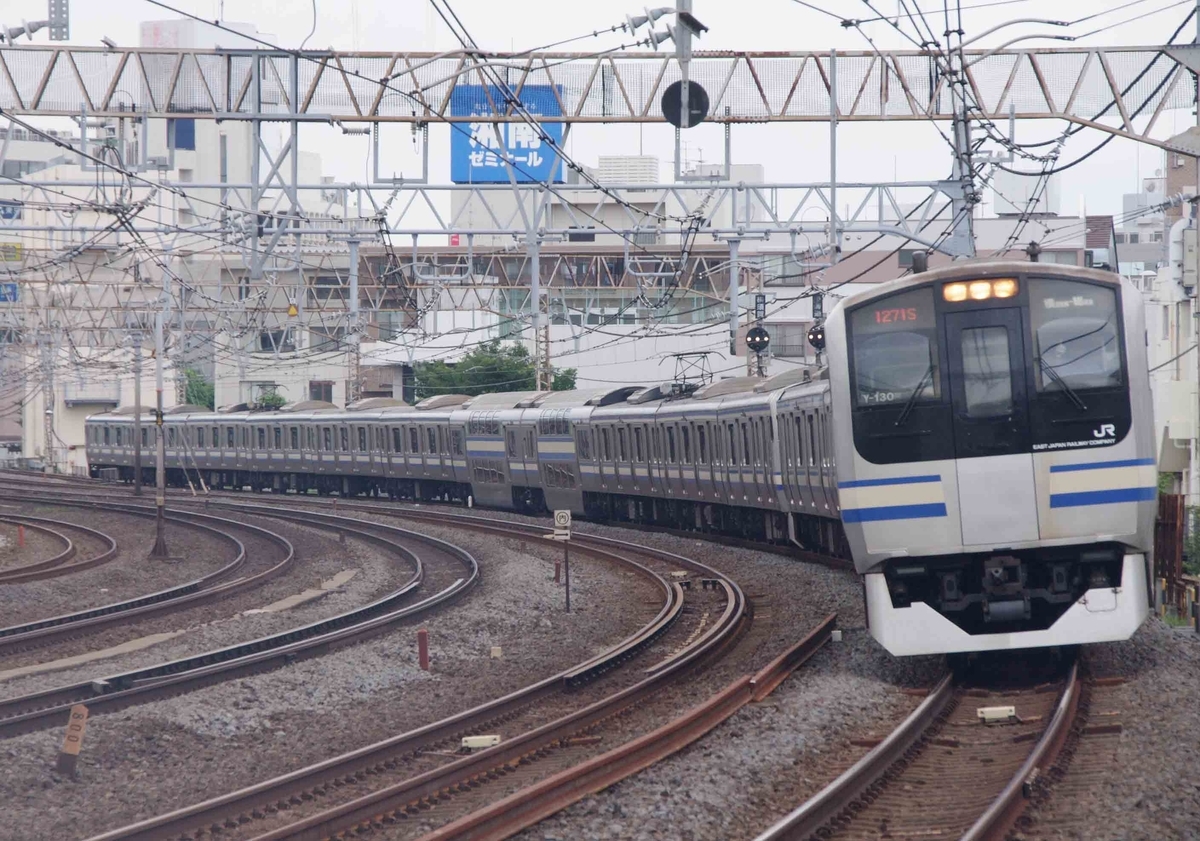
[
  {"x": 1075, "y": 335},
  {"x": 895, "y": 350}
]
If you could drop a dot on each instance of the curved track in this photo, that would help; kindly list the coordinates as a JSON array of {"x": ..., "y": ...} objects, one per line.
[
  {"x": 216, "y": 585},
  {"x": 39, "y": 710},
  {"x": 380, "y": 777},
  {"x": 58, "y": 564},
  {"x": 943, "y": 772}
]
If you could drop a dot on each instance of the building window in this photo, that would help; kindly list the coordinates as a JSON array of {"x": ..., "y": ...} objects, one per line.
[
  {"x": 788, "y": 339},
  {"x": 1157, "y": 236},
  {"x": 1133, "y": 239},
  {"x": 326, "y": 338},
  {"x": 320, "y": 390},
  {"x": 276, "y": 340},
  {"x": 1120, "y": 239},
  {"x": 328, "y": 288}
]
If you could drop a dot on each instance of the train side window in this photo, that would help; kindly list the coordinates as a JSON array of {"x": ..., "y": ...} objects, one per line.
[
  {"x": 310, "y": 438},
  {"x": 414, "y": 441},
  {"x": 655, "y": 445},
  {"x": 622, "y": 449},
  {"x": 362, "y": 439},
  {"x": 216, "y": 437},
  {"x": 327, "y": 442},
  {"x": 262, "y": 437},
  {"x": 295, "y": 436},
  {"x": 229, "y": 438},
  {"x": 456, "y": 441},
  {"x": 731, "y": 455},
  {"x": 200, "y": 438},
  {"x": 171, "y": 436},
  {"x": 397, "y": 443},
  {"x": 583, "y": 443},
  {"x": 117, "y": 436},
  {"x": 431, "y": 438},
  {"x": 345, "y": 439},
  {"x": 745, "y": 444},
  {"x": 145, "y": 433},
  {"x": 278, "y": 438},
  {"x": 799, "y": 438},
  {"x": 671, "y": 444},
  {"x": 701, "y": 445},
  {"x": 812, "y": 442},
  {"x": 637, "y": 444},
  {"x": 687, "y": 444},
  {"x": 512, "y": 444},
  {"x": 605, "y": 445}
]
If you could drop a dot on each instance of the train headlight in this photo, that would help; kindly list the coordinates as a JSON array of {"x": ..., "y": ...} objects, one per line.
[
  {"x": 955, "y": 292},
  {"x": 979, "y": 290},
  {"x": 1004, "y": 288}
]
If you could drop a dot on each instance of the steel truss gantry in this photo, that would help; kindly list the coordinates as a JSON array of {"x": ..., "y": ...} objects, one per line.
[
  {"x": 267, "y": 231},
  {"x": 1106, "y": 88}
]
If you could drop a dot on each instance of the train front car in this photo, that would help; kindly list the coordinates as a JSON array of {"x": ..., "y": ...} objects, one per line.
[{"x": 997, "y": 480}]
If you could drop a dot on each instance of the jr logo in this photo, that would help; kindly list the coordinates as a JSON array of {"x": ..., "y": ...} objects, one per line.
[{"x": 1106, "y": 430}]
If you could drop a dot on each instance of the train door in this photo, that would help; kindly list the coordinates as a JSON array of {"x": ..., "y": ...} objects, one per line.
[{"x": 991, "y": 426}]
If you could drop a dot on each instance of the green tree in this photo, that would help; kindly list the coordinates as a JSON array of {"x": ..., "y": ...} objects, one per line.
[
  {"x": 564, "y": 379},
  {"x": 488, "y": 368},
  {"x": 198, "y": 391}
]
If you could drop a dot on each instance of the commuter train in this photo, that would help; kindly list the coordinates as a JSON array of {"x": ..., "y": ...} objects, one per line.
[{"x": 980, "y": 443}]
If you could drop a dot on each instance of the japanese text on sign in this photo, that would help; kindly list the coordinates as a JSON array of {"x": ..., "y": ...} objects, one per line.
[{"x": 481, "y": 152}]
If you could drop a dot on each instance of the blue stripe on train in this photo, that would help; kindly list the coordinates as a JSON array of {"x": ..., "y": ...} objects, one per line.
[
  {"x": 1099, "y": 465},
  {"x": 893, "y": 512},
  {"x": 899, "y": 480},
  {"x": 1072, "y": 500}
]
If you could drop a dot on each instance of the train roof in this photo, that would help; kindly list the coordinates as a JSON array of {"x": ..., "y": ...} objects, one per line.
[{"x": 983, "y": 269}]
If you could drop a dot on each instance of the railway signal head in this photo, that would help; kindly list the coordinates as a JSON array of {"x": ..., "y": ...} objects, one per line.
[
  {"x": 758, "y": 339},
  {"x": 816, "y": 336}
]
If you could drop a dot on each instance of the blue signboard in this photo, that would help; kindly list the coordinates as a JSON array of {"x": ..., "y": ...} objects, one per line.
[
  {"x": 476, "y": 154},
  {"x": 9, "y": 293},
  {"x": 10, "y": 211}
]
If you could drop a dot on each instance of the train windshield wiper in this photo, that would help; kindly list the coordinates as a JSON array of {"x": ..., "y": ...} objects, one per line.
[
  {"x": 912, "y": 399},
  {"x": 1061, "y": 383}
]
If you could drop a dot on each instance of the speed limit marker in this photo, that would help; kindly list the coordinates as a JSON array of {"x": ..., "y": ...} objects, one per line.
[{"x": 562, "y": 524}]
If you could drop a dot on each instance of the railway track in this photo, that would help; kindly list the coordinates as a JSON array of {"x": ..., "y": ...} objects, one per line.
[
  {"x": 62, "y": 563},
  {"x": 945, "y": 772},
  {"x": 559, "y": 727},
  {"x": 228, "y": 580},
  {"x": 39, "y": 710}
]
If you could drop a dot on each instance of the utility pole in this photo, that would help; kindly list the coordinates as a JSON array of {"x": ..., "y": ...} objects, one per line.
[
  {"x": 734, "y": 303},
  {"x": 137, "y": 413},
  {"x": 159, "y": 551},
  {"x": 962, "y": 177},
  {"x": 355, "y": 385},
  {"x": 541, "y": 374},
  {"x": 47, "y": 350}
]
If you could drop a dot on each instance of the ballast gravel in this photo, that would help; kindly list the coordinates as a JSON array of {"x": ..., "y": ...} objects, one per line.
[
  {"x": 150, "y": 759},
  {"x": 195, "y": 553},
  {"x": 1151, "y": 791},
  {"x": 378, "y": 573}
]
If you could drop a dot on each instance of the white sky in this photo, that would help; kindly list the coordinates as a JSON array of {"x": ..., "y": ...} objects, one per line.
[{"x": 789, "y": 152}]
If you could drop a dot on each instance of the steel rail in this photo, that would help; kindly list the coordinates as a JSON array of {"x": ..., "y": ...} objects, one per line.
[
  {"x": 201, "y": 590},
  {"x": 375, "y": 807},
  {"x": 807, "y": 819},
  {"x": 18, "y": 573},
  {"x": 994, "y": 824},
  {"x": 38, "y": 710},
  {"x": 280, "y": 791},
  {"x": 526, "y": 807},
  {"x": 55, "y": 570}
]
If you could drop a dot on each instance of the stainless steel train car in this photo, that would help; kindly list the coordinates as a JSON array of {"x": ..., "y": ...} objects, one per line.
[{"x": 979, "y": 443}]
